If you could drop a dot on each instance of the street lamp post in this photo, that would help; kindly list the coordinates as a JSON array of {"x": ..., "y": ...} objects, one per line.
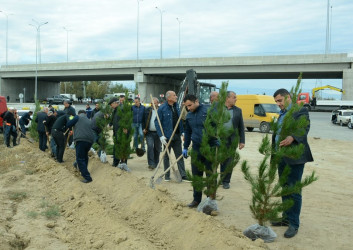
[
  {"x": 160, "y": 11},
  {"x": 327, "y": 28},
  {"x": 67, "y": 43},
  {"x": 37, "y": 27},
  {"x": 138, "y": 27},
  {"x": 7, "y": 32},
  {"x": 179, "y": 33}
]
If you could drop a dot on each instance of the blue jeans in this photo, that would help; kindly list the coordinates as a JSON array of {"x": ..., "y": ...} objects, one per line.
[
  {"x": 53, "y": 146},
  {"x": 153, "y": 148},
  {"x": 82, "y": 148},
  {"x": 23, "y": 129},
  {"x": 296, "y": 173},
  {"x": 42, "y": 141},
  {"x": 10, "y": 130},
  {"x": 138, "y": 132}
]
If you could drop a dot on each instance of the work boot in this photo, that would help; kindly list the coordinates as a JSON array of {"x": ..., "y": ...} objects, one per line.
[{"x": 193, "y": 204}]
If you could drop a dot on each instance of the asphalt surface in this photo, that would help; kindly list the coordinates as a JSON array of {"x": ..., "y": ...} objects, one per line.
[{"x": 320, "y": 124}]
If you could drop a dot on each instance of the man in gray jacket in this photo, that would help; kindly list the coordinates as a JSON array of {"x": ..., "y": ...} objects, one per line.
[{"x": 83, "y": 138}]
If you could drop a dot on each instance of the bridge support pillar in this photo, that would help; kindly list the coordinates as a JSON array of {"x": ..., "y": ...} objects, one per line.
[
  {"x": 13, "y": 87},
  {"x": 347, "y": 85},
  {"x": 155, "y": 85}
]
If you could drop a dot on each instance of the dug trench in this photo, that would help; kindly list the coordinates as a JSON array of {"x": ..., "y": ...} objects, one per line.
[{"x": 45, "y": 206}]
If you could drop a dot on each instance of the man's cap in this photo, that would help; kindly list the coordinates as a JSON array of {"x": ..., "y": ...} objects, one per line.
[{"x": 114, "y": 99}]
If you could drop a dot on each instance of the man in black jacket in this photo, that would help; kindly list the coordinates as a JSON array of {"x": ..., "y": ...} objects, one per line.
[
  {"x": 236, "y": 123},
  {"x": 10, "y": 121},
  {"x": 291, "y": 217},
  {"x": 41, "y": 117},
  {"x": 49, "y": 122}
]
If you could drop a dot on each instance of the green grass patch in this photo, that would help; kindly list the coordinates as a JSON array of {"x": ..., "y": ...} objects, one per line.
[
  {"x": 51, "y": 212},
  {"x": 32, "y": 214},
  {"x": 17, "y": 196}
]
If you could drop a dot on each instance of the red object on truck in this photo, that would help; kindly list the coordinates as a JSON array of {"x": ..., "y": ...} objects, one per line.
[{"x": 3, "y": 109}]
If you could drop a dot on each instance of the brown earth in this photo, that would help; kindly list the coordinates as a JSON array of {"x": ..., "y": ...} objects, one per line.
[{"x": 45, "y": 206}]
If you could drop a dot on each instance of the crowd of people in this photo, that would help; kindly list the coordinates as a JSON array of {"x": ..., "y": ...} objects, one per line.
[{"x": 161, "y": 127}]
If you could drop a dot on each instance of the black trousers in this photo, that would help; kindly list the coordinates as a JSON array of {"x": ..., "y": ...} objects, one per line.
[
  {"x": 42, "y": 140},
  {"x": 60, "y": 142}
]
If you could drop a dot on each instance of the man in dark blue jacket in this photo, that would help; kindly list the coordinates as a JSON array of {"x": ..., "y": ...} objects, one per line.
[
  {"x": 168, "y": 114},
  {"x": 291, "y": 217},
  {"x": 194, "y": 126},
  {"x": 25, "y": 121},
  {"x": 138, "y": 112}
]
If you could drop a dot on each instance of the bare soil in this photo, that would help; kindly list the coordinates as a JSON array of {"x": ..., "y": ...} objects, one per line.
[{"x": 45, "y": 206}]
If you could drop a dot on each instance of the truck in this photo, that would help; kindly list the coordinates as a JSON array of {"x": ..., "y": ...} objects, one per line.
[
  {"x": 312, "y": 104},
  {"x": 190, "y": 85},
  {"x": 258, "y": 111},
  {"x": 57, "y": 99},
  {"x": 3, "y": 109},
  {"x": 107, "y": 97}
]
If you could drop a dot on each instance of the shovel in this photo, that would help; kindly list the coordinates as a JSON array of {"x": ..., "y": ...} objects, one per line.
[
  {"x": 175, "y": 172},
  {"x": 159, "y": 179},
  {"x": 164, "y": 152},
  {"x": 28, "y": 139}
]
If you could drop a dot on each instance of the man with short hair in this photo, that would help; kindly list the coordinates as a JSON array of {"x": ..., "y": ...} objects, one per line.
[
  {"x": 95, "y": 110},
  {"x": 169, "y": 114},
  {"x": 25, "y": 121},
  {"x": 69, "y": 110},
  {"x": 88, "y": 111},
  {"x": 138, "y": 112},
  {"x": 83, "y": 138},
  {"x": 41, "y": 117},
  {"x": 213, "y": 96},
  {"x": 290, "y": 217},
  {"x": 235, "y": 123},
  {"x": 194, "y": 127},
  {"x": 152, "y": 138}
]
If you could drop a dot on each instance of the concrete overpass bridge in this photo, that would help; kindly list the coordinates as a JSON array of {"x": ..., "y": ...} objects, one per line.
[{"x": 156, "y": 76}]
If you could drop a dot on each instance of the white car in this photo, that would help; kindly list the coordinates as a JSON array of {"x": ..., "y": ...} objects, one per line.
[
  {"x": 20, "y": 113},
  {"x": 350, "y": 125},
  {"x": 343, "y": 116}
]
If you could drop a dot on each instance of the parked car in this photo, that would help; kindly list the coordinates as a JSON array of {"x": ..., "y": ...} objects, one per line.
[
  {"x": 350, "y": 125},
  {"x": 20, "y": 113},
  {"x": 342, "y": 116},
  {"x": 58, "y": 99}
]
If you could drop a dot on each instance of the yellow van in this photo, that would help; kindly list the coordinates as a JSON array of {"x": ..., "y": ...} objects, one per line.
[{"x": 258, "y": 111}]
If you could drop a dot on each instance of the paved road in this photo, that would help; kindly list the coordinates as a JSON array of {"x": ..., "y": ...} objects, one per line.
[{"x": 321, "y": 126}]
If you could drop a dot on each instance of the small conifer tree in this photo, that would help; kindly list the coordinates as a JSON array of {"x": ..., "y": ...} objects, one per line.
[
  {"x": 102, "y": 123},
  {"x": 215, "y": 147},
  {"x": 122, "y": 140},
  {"x": 266, "y": 189},
  {"x": 33, "y": 128}
]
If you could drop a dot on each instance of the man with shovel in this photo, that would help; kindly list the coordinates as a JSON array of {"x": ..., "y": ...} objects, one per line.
[{"x": 168, "y": 114}]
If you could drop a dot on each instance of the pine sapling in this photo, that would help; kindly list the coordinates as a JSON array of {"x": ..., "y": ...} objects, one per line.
[
  {"x": 266, "y": 188},
  {"x": 215, "y": 147}
]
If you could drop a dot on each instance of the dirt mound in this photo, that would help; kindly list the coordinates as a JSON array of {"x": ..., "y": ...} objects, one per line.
[{"x": 46, "y": 206}]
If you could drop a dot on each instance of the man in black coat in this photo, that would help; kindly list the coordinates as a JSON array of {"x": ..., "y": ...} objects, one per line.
[
  {"x": 40, "y": 119},
  {"x": 10, "y": 121},
  {"x": 291, "y": 217},
  {"x": 236, "y": 123}
]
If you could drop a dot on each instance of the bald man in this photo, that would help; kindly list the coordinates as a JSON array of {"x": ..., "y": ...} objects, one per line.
[{"x": 213, "y": 96}]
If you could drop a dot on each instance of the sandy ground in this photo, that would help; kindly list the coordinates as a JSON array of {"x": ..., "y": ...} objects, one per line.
[{"x": 119, "y": 210}]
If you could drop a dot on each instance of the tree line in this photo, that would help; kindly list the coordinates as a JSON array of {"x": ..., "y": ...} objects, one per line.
[{"x": 94, "y": 89}]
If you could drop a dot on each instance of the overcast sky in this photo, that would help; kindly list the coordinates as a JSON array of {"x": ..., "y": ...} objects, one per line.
[{"x": 107, "y": 29}]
